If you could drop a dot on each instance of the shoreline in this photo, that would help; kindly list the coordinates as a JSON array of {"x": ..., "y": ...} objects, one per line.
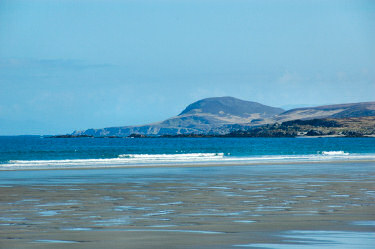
[
  {"x": 200, "y": 136},
  {"x": 194, "y": 165}
]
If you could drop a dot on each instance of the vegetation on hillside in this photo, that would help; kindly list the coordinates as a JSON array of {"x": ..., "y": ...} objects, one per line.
[{"x": 348, "y": 127}]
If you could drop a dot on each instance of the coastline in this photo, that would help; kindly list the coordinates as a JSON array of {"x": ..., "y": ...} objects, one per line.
[
  {"x": 193, "y": 165},
  {"x": 209, "y": 136}
]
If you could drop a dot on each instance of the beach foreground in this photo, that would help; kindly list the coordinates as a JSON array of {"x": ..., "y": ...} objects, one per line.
[{"x": 323, "y": 205}]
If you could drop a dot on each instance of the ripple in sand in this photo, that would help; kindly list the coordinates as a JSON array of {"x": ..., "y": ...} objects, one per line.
[
  {"x": 77, "y": 229},
  {"x": 29, "y": 200},
  {"x": 162, "y": 212},
  {"x": 113, "y": 222},
  {"x": 55, "y": 241},
  {"x": 12, "y": 219},
  {"x": 215, "y": 187},
  {"x": 244, "y": 221},
  {"x": 162, "y": 230},
  {"x": 255, "y": 190},
  {"x": 321, "y": 239},
  {"x": 53, "y": 204},
  {"x": 170, "y": 203},
  {"x": 110, "y": 198},
  {"x": 364, "y": 223},
  {"x": 48, "y": 213},
  {"x": 339, "y": 195},
  {"x": 162, "y": 226},
  {"x": 129, "y": 208}
]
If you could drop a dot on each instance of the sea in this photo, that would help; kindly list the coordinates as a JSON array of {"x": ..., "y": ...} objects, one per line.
[{"x": 42, "y": 152}]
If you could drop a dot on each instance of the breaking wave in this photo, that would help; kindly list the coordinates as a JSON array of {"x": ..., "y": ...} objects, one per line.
[
  {"x": 335, "y": 153},
  {"x": 133, "y": 160},
  {"x": 120, "y": 161},
  {"x": 173, "y": 157}
]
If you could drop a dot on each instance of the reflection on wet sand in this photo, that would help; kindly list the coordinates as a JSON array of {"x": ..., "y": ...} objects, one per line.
[{"x": 285, "y": 208}]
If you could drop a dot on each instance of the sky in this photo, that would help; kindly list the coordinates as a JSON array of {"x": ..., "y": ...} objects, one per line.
[{"x": 69, "y": 65}]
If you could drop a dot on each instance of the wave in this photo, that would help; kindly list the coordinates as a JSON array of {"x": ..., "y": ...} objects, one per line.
[
  {"x": 173, "y": 157},
  {"x": 334, "y": 153},
  {"x": 122, "y": 160},
  {"x": 130, "y": 160}
]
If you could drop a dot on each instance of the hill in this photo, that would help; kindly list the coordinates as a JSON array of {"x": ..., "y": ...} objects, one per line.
[
  {"x": 223, "y": 106},
  {"x": 362, "y": 109},
  {"x": 204, "y": 116},
  {"x": 224, "y": 115},
  {"x": 345, "y": 127}
]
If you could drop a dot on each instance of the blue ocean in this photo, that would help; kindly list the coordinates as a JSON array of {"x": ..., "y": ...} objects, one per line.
[{"x": 35, "y": 152}]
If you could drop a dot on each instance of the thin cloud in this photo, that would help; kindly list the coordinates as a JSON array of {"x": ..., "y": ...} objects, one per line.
[{"x": 289, "y": 78}]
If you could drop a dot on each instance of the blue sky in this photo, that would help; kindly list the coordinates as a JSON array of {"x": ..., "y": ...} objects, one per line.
[{"x": 76, "y": 64}]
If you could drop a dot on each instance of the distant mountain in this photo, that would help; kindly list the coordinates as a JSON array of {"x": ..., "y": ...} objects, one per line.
[
  {"x": 362, "y": 109},
  {"x": 204, "y": 116},
  {"x": 229, "y": 106},
  {"x": 222, "y": 115}
]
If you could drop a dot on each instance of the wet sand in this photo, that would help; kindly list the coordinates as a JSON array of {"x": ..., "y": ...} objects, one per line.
[{"x": 207, "y": 207}]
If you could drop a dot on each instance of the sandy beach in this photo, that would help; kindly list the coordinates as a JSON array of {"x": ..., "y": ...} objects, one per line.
[{"x": 272, "y": 206}]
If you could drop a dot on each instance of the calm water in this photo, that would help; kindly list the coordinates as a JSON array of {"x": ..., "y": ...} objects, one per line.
[{"x": 39, "y": 152}]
